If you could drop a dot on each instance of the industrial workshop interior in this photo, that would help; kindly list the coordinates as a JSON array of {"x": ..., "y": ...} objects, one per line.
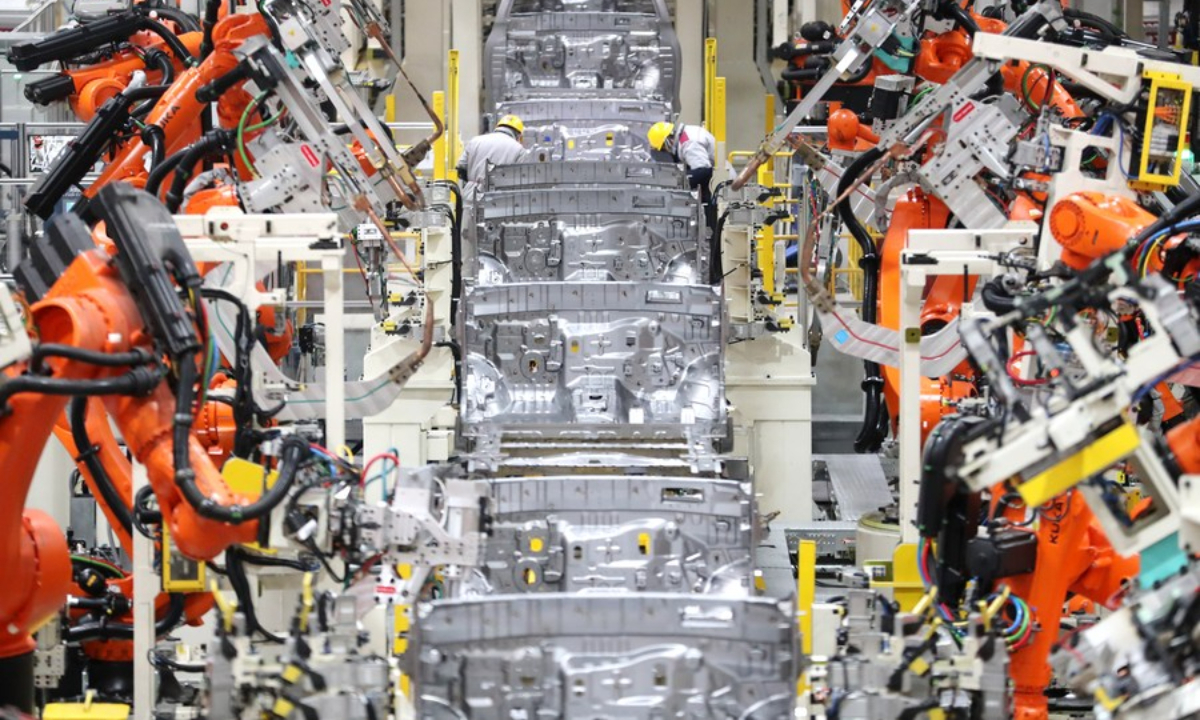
[{"x": 599, "y": 359}]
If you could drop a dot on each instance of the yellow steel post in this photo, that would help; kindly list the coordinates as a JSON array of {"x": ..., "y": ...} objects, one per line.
[
  {"x": 718, "y": 127},
  {"x": 908, "y": 587},
  {"x": 441, "y": 165},
  {"x": 806, "y": 595},
  {"x": 900, "y": 574},
  {"x": 301, "y": 291},
  {"x": 765, "y": 250},
  {"x": 452, "y": 118},
  {"x": 389, "y": 109},
  {"x": 769, "y": 115},
  {"x": 710, "y": 77}
]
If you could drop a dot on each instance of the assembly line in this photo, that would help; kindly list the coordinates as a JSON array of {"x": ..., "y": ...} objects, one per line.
[{"x": 308, "y": 412}]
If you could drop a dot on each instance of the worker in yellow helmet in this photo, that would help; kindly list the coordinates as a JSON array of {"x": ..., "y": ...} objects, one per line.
[
  {"x": 501, "y": 146},
  {"x": 691, "y": 145}
]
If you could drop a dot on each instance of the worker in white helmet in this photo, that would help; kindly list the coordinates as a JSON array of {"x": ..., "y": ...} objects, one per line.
[
  {"x": 691, "y": 145},
  {"x": 501, "y": 146}
]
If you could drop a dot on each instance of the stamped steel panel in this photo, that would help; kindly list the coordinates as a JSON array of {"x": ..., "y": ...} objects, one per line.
[
  {"x": 588, "y": 532},
  {"x": 644, "y": 656},
  {"x": 643, "y": 358}
]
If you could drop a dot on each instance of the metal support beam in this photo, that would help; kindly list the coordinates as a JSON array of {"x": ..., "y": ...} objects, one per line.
[
  {"x": 426, "y": 42},
  {"x": 1132, "y": 18},
  {"x": 690, "y": 27},
  {"x": 930, "y": 253},
  {"x": 145, "y": 589},
  {"x": 466, "y": 36},
  {"x": 733, "y": 24}
]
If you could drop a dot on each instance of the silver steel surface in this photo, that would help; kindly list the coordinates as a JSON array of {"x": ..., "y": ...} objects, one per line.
[
  {"x": 648, "y": 655},
  {"x": 589, "y": 532}
]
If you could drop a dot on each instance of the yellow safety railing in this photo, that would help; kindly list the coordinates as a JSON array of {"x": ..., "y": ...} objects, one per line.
[
  {"x": 851, "y": 271},
  {"x": 765, "y": 245}
]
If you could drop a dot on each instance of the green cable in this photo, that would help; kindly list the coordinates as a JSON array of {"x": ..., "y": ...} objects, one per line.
[
  {"x": 266, "y": 123},
  {"x": 1026, "y": 612},
  {"x": 1151, "y": 250},
  {"x": 917, "y": 98},
  {"x": 241, "y": 132},
  {"x": 1025, "y": 84},
  {"x": 97, "y": 563}
]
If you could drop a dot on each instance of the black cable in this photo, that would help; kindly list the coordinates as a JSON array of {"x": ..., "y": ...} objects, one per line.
[
  {"x": 214, "y": 142},
  {"x": 961, "y": 17},
  {"x": 178, "y": 49},
  {"x": 159, "y": 60},
  {"x": 996, "y": 298},
  {"x": 212, "y": 12},
  {"x": 112, "y": 572},
  {"x": 456, "y": 280},
  {"x": 271, "y": 561},
  {"x": 873, "y": 430},
  {"x": 290, "y": 454},
  {"x": 160, "y": 171},
  {"x": 91, "y": 357},
  {"x": 236, "y": 573},
  {"x": 716, "y": 193},
  {"x": 1107, "y": 30},
  {"x": 312, "y": 547},
  {"x": 146, "y": 92},
  {"x": 716, "y": 268},
  {"x": 186, "y": 21},
  {"x": 88, "y": 454},
  {"x": 219, "y": 86},
  {"x": 158, "y": 660},
  {"x": 155, "y": 139},
  {"x": 138, "y": 381},
  {"x": 456, "y": 353},
  {"x": 1183, "y": 210},
  {"x": 143, "y": 516},
  {"x": 104, "y": 630},
  {"x": 245, "y": 408}
]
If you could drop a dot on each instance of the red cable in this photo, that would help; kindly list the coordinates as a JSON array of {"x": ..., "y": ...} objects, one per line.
[
  {"x": 1012, "y": 373},
  {"x": 362, "y": 479}
]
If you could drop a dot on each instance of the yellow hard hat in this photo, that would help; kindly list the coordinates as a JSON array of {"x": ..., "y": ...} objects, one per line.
[
  {"x": 513, "y": 122},
  {"x": 659, "y": 132}
]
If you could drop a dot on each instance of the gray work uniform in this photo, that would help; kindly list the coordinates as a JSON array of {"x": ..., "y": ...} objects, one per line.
[
  {"x": 697, "y": 147},
  {"x": 499, "y": 147}
]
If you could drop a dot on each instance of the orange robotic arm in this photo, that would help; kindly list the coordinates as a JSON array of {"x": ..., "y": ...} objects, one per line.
[
  {"x": 178, "y": 111},
  {"x": 1090, "y": 225},
  {"x": 1073, "y": 557},
  {"x": 90, "y": 308},
  {"x": 847, "y": 133},
  {"x": 88, "y": 88}
]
